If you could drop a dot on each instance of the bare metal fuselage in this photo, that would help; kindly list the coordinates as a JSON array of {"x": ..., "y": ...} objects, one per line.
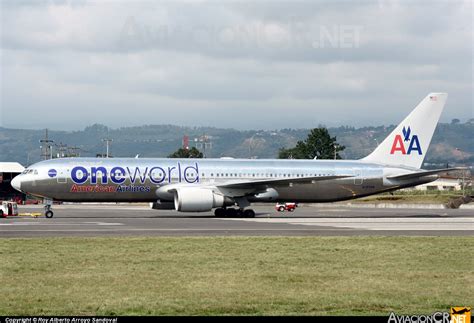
[{"x": 138, "y": 180}]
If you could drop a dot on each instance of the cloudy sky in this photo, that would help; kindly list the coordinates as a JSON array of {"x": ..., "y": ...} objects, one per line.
[{"x": 66, "y": 64}]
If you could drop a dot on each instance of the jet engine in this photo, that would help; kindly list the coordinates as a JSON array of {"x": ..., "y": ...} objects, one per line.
[
  {"x": 197, "y": 199},
  {"x": 268, "y": 196}
]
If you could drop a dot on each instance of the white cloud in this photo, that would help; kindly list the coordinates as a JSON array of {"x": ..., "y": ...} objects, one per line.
[{"x": 245, "y": 64}]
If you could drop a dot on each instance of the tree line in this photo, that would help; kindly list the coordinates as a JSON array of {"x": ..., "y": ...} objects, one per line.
[{"x": 318, "y": 145}]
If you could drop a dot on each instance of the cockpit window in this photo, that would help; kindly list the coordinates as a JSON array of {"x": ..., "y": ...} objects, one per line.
[{"x": 25, "y": 171}]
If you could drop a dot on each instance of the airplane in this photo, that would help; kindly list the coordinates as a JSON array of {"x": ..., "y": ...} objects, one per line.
[
  {"x": 229, "y": 186},
  {"x": 461, "y": 311}
]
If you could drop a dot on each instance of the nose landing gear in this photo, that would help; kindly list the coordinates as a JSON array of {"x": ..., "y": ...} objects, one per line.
[{"x": 47, "y": 208}]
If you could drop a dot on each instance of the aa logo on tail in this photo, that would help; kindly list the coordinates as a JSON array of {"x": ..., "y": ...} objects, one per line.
[{"x": 400, "y": 143}]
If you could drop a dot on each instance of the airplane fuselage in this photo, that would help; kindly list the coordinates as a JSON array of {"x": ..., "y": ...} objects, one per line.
[{"x": 140, "y": 180}]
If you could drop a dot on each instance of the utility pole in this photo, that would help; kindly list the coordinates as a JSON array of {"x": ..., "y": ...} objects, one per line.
[
  {"x": 250, "y": 146},
  {"x": 203, "y": 143},
  {"x": 62, "y": 150},
  {"x": 107, "y": 141},
  {"x": 46, "y": 147},
  {"x": 74, "y": 151},
  {"x": 463, "y": 186}
]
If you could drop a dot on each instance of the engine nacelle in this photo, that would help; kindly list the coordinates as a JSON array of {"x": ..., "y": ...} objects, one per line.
[
  {"x": 196, "y": 199},
  {"x": 268, "y": 196}
]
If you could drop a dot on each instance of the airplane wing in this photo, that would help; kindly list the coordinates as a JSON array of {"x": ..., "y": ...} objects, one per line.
[
  {"x": 425, "y": 173},
  {"x": 247, "y": 187},
  {"x": 280, "y": 181}
]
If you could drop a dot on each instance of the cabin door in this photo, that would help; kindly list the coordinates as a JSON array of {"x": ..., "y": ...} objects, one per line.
[
  {"x": 358, "y": 176},
  {"x": 62, "y": 176}
]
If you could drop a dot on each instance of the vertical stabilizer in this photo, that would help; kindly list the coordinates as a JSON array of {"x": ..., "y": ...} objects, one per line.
[{"x": 408, "y": 143}]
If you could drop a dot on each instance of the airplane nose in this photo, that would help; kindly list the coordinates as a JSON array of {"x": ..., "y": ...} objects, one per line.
[{"x": 16, "y": 183}]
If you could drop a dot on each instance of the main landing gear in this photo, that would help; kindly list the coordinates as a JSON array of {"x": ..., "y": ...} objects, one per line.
[
  {"x": 231, "y": 212},
  {"x": 234, "y": 213}
]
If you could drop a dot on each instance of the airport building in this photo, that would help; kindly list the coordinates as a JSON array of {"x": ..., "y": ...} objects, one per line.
[
  {"x": 8, "y": 170},
  {"x": 445, "y": 184}
]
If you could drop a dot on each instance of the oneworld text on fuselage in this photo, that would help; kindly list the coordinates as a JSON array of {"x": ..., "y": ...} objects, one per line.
[{"x": 136, "y": 175}]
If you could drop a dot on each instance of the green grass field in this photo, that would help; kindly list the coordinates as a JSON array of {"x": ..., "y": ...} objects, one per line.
[{"x": 235, "y": 275}]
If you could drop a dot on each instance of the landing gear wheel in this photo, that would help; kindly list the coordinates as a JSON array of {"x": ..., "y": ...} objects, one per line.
[
  {"x": 220, "y": 212},
  {"x": 231, "y": 212},
  {"x": 249, "y": 213},
  {"x": 49, "y": 214}
]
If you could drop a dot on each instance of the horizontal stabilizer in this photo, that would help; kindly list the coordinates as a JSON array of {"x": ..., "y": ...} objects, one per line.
[{"x": 425, "y": 173}]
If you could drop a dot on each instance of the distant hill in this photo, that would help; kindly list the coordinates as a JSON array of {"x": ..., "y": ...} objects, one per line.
[{"x": 452, "y": 143}]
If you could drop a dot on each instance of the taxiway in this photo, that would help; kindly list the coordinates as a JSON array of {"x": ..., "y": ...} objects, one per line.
[{"x": 129, "y": 220}]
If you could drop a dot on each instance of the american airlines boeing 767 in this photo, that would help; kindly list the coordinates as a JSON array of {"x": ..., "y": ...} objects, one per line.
[{"x": 230, "y": 185}]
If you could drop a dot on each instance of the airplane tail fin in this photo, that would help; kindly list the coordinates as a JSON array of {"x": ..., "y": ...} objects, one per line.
[{"x": 408, "y": 143}]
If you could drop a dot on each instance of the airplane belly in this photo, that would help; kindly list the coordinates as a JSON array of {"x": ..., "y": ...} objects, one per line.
[{"x": 330, "y": 191}]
